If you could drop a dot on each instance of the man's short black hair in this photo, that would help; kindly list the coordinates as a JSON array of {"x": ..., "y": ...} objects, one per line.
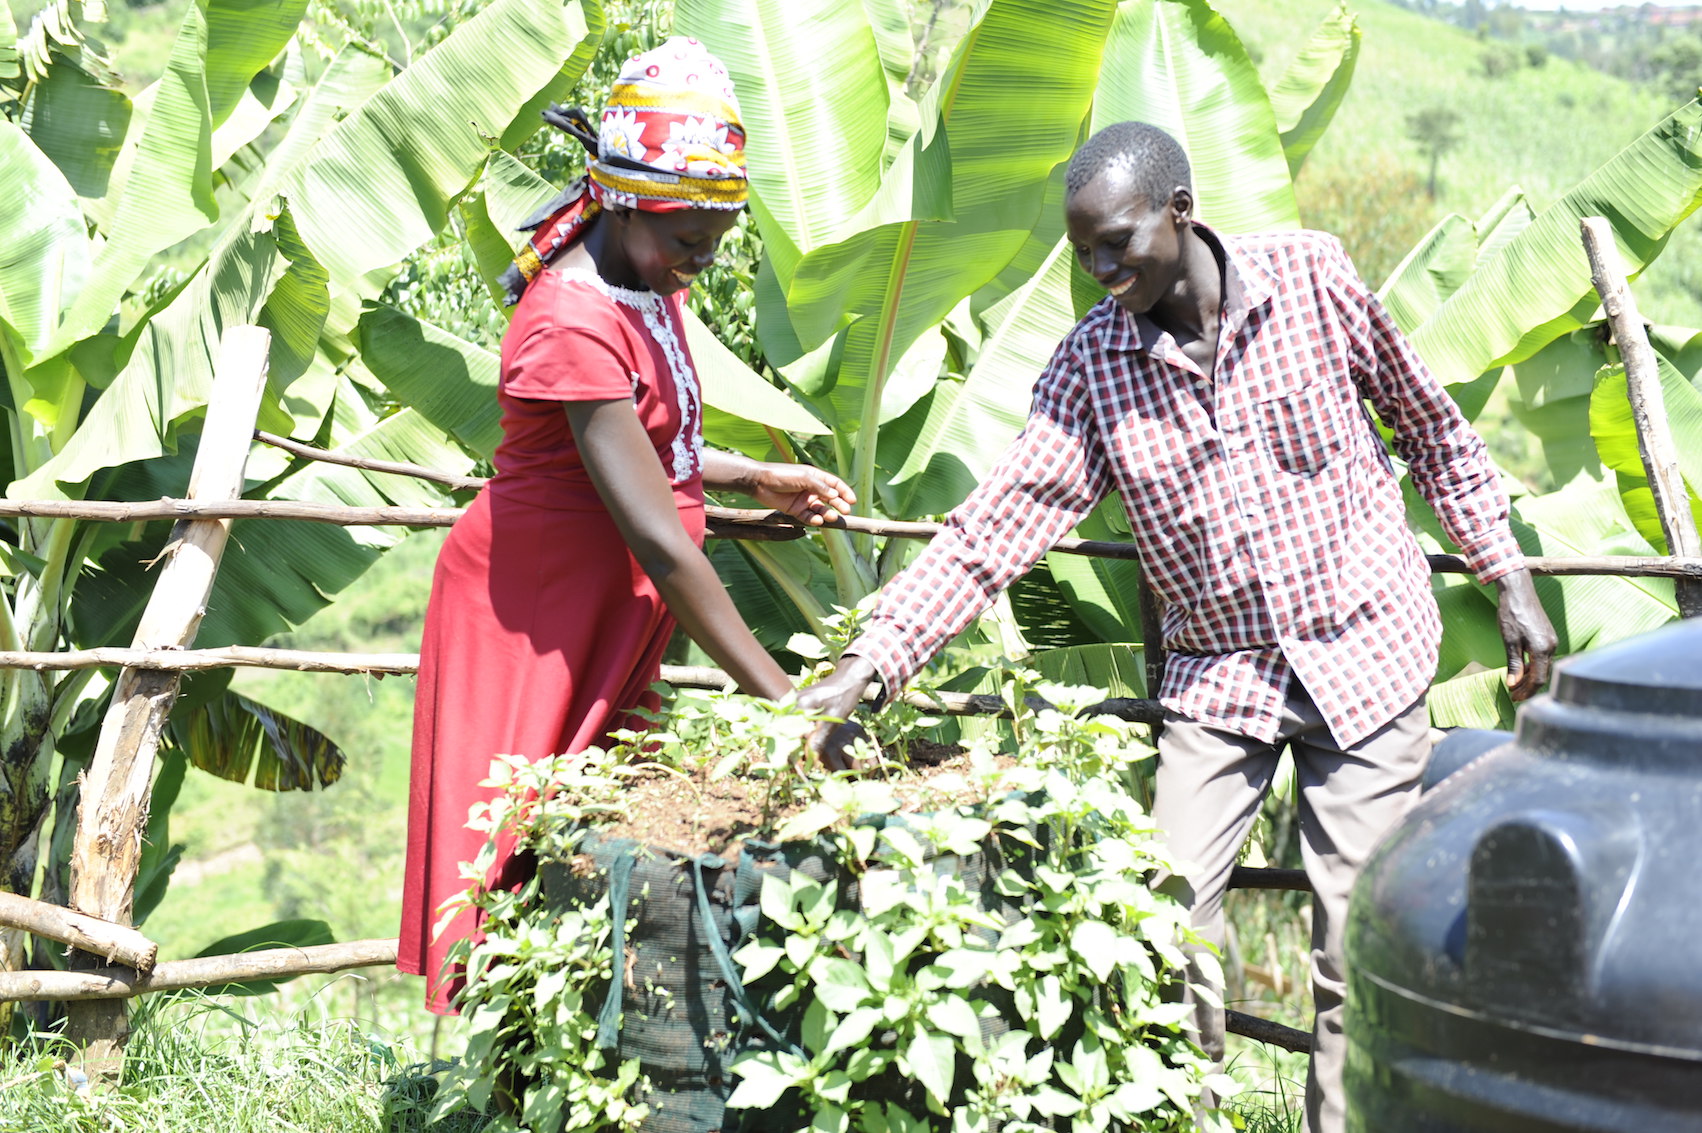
[{"x": 1155, "y": 162}]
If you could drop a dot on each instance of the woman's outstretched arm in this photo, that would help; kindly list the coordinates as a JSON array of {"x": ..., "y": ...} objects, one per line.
[
  {"x": 623, "y": 467},
  {"x": 811, "y": 494}
]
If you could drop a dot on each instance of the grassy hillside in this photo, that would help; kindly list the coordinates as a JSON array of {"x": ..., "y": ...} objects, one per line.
[{"x": 1541, "y": 128}]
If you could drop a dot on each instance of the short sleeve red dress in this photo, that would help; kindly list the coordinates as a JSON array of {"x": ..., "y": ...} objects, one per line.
[{"x": 542, "y": 633}]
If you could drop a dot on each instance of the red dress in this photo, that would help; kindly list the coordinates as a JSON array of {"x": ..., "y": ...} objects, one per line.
[{"x": 542, "y": 632}]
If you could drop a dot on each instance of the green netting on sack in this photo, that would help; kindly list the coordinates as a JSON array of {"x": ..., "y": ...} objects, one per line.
[{"x": 678, "y": 1004}]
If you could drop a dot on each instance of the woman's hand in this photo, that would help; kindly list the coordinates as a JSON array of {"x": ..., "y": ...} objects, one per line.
[{"x": 800, "y": 490}]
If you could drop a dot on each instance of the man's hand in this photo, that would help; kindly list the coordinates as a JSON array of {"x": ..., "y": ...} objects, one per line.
[
  {"x": 837, "y": 694},
  {"x": 1529, "y": 636}
]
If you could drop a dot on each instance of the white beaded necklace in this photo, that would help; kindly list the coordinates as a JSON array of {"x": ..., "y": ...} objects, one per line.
[{"x": 688, "y": 442}]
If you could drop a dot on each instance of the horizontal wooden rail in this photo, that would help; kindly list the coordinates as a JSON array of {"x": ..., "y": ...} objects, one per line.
[
  {"x": 204, "y": 971},
  {"x": 67, "y": 926},
  {"x": 228, "y": 657},
  {"x": 388, "y": 664},
  {"x": 341, "y": 515},
  {"x": 1265, "y": 1031},
  {"x": 395, "y": 467},
  {"x": 735, "y": 523}
]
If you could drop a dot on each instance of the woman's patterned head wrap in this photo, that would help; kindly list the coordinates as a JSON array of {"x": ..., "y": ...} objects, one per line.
[{"x": 670, "y": 138}]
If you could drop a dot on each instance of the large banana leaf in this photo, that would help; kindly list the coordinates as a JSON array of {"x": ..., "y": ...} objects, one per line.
[
  {"x": 79, "y": 122},
  {"x": 242, "y": 39},
  {"x": 242, "y": 740},
  {"x": 1105, "y": 593},
  {"x": 1588, "y": 518},
  {"x": 1313, "y": 85},
  {"x": 1551, "y": 398},
  {"x": 1440, "y": 264},
  {"x": 760, "y": 594},
  {"x": 265, "y": 100},
  {"x": 1615, "y": 434},
  {"x": 168, "y": 192},
  {"x": 1010, "y": 106},
  {"x": 278, "y": 934},
  {"x": 8, "y": 44},
  {"x": 447, "y": 380},
  {"x": 1178, "y": 65},
  {"x": 274, "y": 574},
  {"x": 1432, "y": 271},
  {"x": 1537, "y": 287},
  {"x": 1472, "y": 700},
  {"x": 44, "y": 249},
  {"x": 939, "y": 459},
  {"x": 561, "y": 86},
  {"x": 739, "y": 406},
  {"x": 381, "y": 181},
  {"x": 814, "y": 98},
  {"x": 404, "y": 152},
  {"x": 171, "y": 370},
  {"x": 354, "y": 75}
]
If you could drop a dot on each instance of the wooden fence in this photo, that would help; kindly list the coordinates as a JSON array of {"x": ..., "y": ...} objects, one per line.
[{"x": 113, "y": 962}]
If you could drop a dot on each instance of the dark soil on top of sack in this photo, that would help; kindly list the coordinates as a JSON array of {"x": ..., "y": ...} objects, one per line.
[{"x": 689, "y": 813}]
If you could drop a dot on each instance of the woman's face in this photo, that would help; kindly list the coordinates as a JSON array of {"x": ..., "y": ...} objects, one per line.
[{"x": 665, "y": 251}]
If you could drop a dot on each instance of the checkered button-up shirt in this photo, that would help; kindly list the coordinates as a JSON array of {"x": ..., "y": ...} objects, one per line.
[{"x": 1265, "y": 508}]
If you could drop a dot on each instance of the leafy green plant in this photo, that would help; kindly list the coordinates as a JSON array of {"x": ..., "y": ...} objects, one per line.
[{"x": 965, "y": 966}]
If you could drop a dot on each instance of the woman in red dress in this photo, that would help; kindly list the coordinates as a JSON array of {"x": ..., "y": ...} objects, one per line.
[{"x": 556, "y": 593}]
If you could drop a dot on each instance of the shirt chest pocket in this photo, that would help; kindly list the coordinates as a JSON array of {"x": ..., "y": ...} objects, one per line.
[{"x": 1307, "y": 425}]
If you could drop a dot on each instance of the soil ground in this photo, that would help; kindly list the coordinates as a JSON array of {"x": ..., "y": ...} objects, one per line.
[{"x": 691, "y": 813}]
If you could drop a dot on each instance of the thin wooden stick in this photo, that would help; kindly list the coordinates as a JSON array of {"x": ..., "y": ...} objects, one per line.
[
  {"x": 339, "y": 514},
  {"x": 366, "y": 464},
  {"x": 204, "y": 971},
  {"x": 737, "y": 523},
  {"x": 1265, "y": 1031},
  {"x": 101, "y": 938},
  {"x": 1648, "y": 407},
  {"x": 231, "y": 656},
  {"x": 113, "y": 808}
]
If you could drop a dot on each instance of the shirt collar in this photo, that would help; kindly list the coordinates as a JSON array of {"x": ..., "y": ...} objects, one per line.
[{"x": 1247, "y": 283}]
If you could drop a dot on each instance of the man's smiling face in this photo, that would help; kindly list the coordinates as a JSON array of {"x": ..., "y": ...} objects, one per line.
[{"x": 1131, "y": 248}]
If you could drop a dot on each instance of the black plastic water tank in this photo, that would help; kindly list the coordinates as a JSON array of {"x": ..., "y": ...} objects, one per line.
[{"x": 1525, "y": 950}]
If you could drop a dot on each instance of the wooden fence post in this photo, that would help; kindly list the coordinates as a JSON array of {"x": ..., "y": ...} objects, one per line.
[
  {"x": 113, "y": 812},
  {"x": 1648, "y": 406}
]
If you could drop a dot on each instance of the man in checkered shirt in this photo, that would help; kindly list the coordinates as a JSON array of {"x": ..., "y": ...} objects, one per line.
[{"x": 1221, "y": 388}]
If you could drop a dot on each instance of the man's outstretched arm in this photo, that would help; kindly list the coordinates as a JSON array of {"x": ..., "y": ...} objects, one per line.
[{"x": 837, "y": 695}]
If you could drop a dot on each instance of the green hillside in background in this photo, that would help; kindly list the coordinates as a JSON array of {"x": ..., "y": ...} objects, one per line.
[{"x": 1542, "y": 128}]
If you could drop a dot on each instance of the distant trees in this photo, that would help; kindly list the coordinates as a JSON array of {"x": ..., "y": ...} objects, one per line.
[
  {"x": 1436, "y": 130},
  {"x": 1643, "y": 44}
]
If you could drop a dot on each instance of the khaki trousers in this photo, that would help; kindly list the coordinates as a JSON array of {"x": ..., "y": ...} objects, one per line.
[{"x": 1210, "y": 784}]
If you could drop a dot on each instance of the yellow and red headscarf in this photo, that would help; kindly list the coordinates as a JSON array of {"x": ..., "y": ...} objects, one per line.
[{"x": 670, "y": 138}]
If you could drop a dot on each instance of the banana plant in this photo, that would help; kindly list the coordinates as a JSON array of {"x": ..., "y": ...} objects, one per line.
[
  {"x": 1509, "y": 298},
  {"x": 302, "y": 197}
]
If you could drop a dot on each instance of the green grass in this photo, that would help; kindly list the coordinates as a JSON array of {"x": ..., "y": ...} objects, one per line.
[{"x": 197, "y": 1067}]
